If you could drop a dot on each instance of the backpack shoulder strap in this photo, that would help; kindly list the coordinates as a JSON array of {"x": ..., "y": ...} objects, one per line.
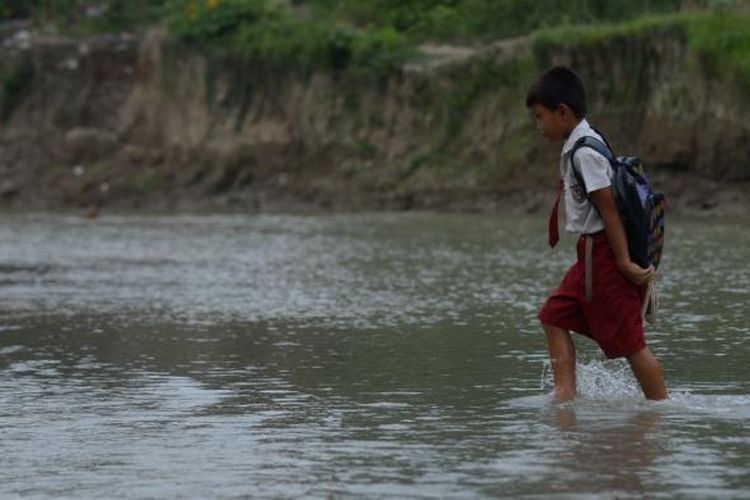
[{"x": 590, "y": 142}]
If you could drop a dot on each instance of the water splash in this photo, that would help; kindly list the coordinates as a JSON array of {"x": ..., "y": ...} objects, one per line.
[
  {"x": 612, "y": 381},
  {"x": 598, "y": 380}
]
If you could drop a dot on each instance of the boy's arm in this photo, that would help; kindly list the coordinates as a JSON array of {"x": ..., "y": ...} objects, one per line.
[{"x": 604, "y": 202}]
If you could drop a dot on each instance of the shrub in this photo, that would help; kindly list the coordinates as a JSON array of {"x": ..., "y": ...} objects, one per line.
[
  {"x": 723, "y": 41},
  {"x": 452, "y": 19},
  {"x": 84, "y": 16},
  {"x": 272, "y": 36}
]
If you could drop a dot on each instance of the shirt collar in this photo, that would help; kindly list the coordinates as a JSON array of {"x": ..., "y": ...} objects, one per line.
[{"x": 581, "y": 130}]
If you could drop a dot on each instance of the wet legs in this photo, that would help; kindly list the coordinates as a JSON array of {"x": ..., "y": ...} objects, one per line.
[
  {"x": 562, "y": 355},
  {"x": 647, "y": 370}
]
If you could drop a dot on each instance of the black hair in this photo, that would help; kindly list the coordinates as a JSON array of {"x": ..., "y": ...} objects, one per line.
[{"x": 556, "y": 86}]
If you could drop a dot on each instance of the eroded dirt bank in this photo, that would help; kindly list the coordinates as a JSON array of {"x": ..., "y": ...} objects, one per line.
[{"x": 132, "y": 123}]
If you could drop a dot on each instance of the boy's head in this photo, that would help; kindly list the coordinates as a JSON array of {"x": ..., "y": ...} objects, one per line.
[{"x": 558, "y": 101}]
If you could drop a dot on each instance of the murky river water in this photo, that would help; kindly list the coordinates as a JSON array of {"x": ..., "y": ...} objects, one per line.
[{"x": 360, "y": 355}]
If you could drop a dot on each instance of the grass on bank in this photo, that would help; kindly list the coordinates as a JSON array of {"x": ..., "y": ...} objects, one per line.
[
  {"x": 720, "y": 39},
  {"x": 451, "y": 20},
  {"x": 275, "y": 38},
  {"x": 364, "y": 36},
  {"x": 84, "y": 17},
  {"x": 374, "y": 36},
  {"x": 414, "y": 19},
  {"x": 723, "y": 42}
]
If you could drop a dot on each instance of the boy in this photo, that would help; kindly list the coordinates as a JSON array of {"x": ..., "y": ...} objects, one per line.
[{"x": 602, "y": 293}]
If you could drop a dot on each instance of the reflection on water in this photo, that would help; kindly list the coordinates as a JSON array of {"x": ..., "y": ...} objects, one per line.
[
  {"x": 584, "y": 452},
  {"x": 368, "y": 355}
]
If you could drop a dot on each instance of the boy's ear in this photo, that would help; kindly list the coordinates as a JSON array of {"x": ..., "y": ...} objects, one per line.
[{"x": 566, "y": 111}]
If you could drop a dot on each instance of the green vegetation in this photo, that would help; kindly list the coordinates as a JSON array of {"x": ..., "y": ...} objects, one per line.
[
  {"x": 15, "y": 79},
  {"x": 577, "y": 36},
  {"x": 721, "y": 39},
  {"x": 483, "y": 19},
  {"x": 85, "y": 16},
  {"x": 12, "y": 9},
  {"x": 275, "y": 38},
  {"x": 414, "y": 19},
  {"x": 723, "y": 42},
  {"x": 371, "y": 37},
  {"x": 367, "y": 36}
]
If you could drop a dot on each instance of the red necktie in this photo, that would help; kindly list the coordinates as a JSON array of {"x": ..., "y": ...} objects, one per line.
[{"x": 553, "y": 234}]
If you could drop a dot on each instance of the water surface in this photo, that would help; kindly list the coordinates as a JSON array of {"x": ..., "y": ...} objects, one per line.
[{"x": 350, "y": 355}]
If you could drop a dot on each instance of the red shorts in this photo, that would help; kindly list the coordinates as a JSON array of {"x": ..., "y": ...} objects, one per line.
[{"x": 613, "y": 317}]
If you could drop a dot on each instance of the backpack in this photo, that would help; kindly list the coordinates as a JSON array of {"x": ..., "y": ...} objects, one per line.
[{"x": 641, "y": 208}]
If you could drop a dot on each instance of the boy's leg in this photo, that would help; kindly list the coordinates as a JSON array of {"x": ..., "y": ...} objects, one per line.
[
  {"x": 647, "y": 370},
  {"x": 562, "y": 355}
]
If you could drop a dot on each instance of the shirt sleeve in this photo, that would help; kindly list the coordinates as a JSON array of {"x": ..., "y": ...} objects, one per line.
[{"x": 594, "y": 168}]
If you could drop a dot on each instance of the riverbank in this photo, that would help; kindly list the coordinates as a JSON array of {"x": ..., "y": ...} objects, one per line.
[{"x": 142, "y": 122}]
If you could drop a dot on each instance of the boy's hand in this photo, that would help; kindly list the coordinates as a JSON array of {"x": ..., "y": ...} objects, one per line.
[
  {"x": 636, "y": 274},
  {"x": 604, "y": 201}
]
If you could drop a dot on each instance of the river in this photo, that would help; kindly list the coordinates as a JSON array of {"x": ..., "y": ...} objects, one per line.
[{"x": 368, "y": 355}]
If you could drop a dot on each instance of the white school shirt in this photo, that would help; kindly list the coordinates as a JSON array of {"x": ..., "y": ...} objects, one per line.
[{"x": 580, "y": 215}]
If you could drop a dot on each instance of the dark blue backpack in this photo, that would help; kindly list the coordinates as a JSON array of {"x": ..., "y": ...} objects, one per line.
[{"x": 641, "y": 208}]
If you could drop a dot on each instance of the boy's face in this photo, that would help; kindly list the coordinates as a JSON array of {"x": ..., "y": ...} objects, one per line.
[{"x": 554, "y": 124}]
